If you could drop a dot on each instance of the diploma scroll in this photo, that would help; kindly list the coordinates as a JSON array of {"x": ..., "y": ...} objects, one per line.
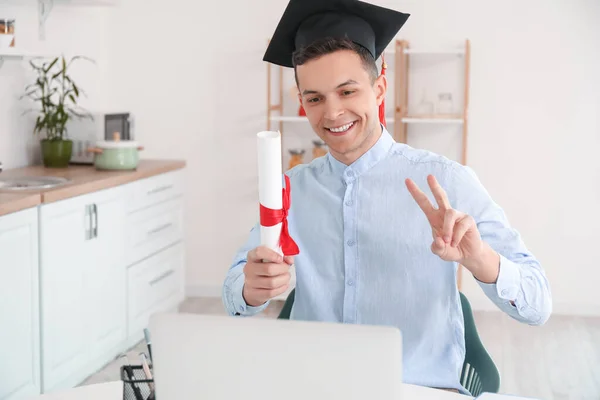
[
  {"x": 273, "y": 196},
  {"x": 270, "y": 184}
]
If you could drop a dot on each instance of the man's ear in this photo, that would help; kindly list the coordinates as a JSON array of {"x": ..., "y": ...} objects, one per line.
[{"x": 380, "y": 88}]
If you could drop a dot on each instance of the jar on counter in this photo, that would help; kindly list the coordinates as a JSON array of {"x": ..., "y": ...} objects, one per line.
[
  {"x": 319, "y": 149},
  {"x": 7, "y": 27},
  {"x": 296, "y": 157}
]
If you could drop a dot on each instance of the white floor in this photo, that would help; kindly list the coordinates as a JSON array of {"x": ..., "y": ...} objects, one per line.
[{"x": 557, "y": 361}]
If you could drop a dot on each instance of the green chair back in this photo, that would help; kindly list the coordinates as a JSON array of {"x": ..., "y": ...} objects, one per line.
[{"x": 479, "y": 373}]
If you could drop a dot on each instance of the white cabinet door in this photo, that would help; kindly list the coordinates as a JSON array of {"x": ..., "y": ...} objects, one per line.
[
  {"x": 106, "y": 279},
  {"x": 19, "y": 323},
  {"x": 64, "y": 238},
  {"x": 82, "y": 285}
]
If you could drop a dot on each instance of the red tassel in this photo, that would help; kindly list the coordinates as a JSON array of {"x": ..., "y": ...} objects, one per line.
[
  {"x": 382, "y": 105},
  {"x": 301, "y": 112}
]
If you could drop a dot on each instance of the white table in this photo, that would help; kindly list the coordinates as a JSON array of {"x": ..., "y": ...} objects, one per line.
[{"x": 114, "y": 391}]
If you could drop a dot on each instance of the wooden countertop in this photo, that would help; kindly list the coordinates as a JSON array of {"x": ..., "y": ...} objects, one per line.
[
  {"x": 83, "y": 179},
  {"x": 13, "y": 202}
]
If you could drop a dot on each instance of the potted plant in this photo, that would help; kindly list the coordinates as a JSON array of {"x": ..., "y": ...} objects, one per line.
[{"x": 57, "y": 95}]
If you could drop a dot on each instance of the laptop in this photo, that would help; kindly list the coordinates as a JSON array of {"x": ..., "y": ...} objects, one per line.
[{"x": 220, "y": 357}]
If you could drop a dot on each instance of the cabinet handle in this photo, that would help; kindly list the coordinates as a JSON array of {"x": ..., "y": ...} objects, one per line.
[
  {"x": 161, "y": 277},
  {"x": 95, "y": 226},
  {"x": 88, "y": 222},
  {"x": 160, "y": 189},
  {"x": 159, "y": 228}
]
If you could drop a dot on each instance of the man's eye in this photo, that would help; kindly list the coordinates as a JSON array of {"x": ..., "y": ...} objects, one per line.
[
  {"x": 348, "y": 92},
  {"x": 313, "y": 100}
]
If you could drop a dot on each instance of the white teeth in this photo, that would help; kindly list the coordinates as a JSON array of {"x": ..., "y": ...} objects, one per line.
[{"x": 342, "y": 128}]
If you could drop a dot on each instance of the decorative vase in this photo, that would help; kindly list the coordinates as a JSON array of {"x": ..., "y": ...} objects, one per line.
[{"x": 56, "y": 153}]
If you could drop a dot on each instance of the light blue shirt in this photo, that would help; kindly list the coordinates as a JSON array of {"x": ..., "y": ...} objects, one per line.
[{"x": 365, "y": 255}]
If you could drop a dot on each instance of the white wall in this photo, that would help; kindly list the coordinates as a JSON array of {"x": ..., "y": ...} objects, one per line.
[
  {"x": 192, "y": 74},
  {"x": 69, "y": 31}
]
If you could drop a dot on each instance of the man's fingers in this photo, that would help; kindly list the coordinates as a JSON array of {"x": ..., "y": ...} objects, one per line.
[
  {"x": 438, "y": 247},
  {"x": 461, "y": 228},
  {"x": 419, "y": 197},
  {"x": 270, "y": 269},
  {"x": 264, "y": 282},
  {"x": 264, "y": 254},
  {"x": 450, "y": 218},
  {"x": 440, "y": 194},
  {"x": 288, "y": 260},
  {"x": 267, "y": 294}
]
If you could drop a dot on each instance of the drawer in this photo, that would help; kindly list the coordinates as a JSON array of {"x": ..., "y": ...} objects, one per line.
[
  {"x": 157, "y": 189},
  {"x": 154, "y": 285},
  {"x": 152, "y": 229}
]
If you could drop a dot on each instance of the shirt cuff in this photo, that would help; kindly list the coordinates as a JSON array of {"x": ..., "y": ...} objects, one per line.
[
  {"x": 508, "y": 284},
  {"x": 241, "y": 308}
]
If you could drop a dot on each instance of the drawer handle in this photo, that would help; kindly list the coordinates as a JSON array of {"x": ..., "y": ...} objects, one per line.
[
  {"x": 160, "y": 228},
  {"x": 161, "y": 277},
  {"x": 160, "y": 189}
]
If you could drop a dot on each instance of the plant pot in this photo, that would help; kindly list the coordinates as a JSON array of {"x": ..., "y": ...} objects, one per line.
[{"x": 56, "y": 153}]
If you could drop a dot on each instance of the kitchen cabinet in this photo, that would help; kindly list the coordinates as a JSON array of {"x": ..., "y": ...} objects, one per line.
[
  {"x": 154, "y": 249},
  {"x": 83, "y": 285},
  {"x": 19, "y": 310},
  {"x": 81, "y": 274}
]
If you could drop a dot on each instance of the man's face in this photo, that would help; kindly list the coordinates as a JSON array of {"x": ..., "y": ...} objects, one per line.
[{"x": 340, "y": 102}]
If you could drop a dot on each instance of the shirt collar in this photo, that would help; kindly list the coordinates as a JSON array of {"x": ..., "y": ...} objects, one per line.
[{"x": 375, "y": 154}]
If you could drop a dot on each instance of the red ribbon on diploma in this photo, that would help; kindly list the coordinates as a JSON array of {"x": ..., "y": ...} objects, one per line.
[{"x": 271, "y": 217}]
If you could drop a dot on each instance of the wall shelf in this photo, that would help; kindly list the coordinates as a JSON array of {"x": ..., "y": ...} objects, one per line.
[
  {"x": 433, "y": 119},
  {"x": 44, "y": 8},
  {"x": 276, "y": 118},
  {"x": 16, "y": 54},
  {"x": 433, "y": 52}
]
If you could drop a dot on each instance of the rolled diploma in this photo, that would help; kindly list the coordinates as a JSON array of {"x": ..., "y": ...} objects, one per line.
[{"x": 270, "y": 184}]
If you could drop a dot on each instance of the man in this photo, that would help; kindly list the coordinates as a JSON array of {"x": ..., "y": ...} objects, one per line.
[{"x": 374, "y": 248}]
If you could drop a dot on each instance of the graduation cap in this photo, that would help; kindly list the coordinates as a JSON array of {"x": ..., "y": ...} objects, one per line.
[{"x": 304, "y": 21}]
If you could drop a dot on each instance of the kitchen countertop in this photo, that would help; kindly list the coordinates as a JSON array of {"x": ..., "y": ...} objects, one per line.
[
  {"x": 83, "y": 179},
  {"x": 13, "y": 202}
]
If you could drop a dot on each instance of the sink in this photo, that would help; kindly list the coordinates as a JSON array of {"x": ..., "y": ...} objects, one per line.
[{"x": 31, "y": 182}]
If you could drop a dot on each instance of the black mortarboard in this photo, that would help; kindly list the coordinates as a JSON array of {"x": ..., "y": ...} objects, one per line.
[{"x": 371, "y": 26}]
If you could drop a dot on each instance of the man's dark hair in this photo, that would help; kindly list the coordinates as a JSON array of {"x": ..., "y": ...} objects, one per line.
[{"x": 329, "y": 45}]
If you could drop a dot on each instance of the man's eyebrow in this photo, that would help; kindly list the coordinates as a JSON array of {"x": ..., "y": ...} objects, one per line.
[{"x": 348, "y": 82}]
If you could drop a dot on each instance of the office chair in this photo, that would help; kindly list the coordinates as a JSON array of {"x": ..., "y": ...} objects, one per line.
[{"x": 479, "y": 373}]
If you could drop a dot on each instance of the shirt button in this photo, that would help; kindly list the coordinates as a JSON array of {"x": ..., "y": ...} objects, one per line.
[
  {"x": 349, "y": 173},
  {"x": 349, "y": 203},
  {"x": 504, "y": 292},
  {"x": 350, "y": 282},
  {"x": 350, "y": 242}
]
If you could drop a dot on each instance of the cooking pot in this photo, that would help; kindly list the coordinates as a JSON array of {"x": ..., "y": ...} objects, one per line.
[{"x": 116, "y": 154}]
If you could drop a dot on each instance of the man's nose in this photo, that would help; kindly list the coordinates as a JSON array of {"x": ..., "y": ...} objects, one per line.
[{"x": 333, "y": 109}]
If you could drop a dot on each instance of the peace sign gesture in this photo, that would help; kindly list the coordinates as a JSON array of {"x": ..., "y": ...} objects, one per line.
[{"x": 455, "y": 234}]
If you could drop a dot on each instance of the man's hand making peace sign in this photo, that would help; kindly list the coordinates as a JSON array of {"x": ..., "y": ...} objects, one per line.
[{"x": 455, "y": 234}]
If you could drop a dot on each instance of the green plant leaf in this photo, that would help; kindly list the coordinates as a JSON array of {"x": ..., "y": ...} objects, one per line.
[{"x": 48, "y": 68}]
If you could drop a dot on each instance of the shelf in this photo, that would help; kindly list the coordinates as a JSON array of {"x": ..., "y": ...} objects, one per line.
[
  {"x": 12, "y": 53},
  {"x": 63, "y": 2},
  {"x": 304, "y": 119},
  {"x": 457, "y": 52},
  {"x": 44, "y": 8},
  {"x": 434, "y": 119},
  {"x": 15, "y": 53}
]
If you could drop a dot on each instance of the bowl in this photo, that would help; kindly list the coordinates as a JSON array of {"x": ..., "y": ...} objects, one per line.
[{"x": 6, "y": 40}]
